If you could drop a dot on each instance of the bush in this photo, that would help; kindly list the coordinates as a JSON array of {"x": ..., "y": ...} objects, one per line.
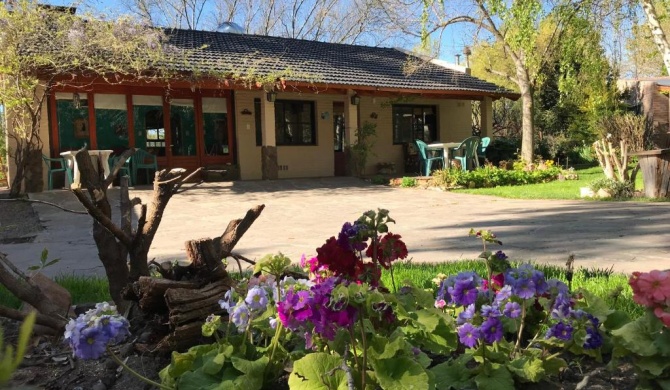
[
  {"x": 502, "y": 149},
  {"x": 408, "y": 182},
  {"x": 617, "y": 189},
  {"x": 490, "y": 176}
]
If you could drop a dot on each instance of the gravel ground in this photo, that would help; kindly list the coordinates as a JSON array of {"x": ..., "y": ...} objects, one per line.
[{"x": 18, "y": 221}]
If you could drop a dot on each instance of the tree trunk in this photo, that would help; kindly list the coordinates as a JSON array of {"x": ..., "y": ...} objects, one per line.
[
  {"x": 17, "y": 181},
  {"x": 527, "y": 124},
  {"x": 657, "y": 33}
]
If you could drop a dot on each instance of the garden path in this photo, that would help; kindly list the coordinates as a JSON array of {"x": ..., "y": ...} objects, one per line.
[{"x": 301, "y": 214}]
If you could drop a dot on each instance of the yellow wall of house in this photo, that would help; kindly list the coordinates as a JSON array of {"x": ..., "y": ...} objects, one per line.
[
  {"x": 44, "y": 135},
  {"x": 248, "y": 154},
  {"x": 453, "y": 121}
]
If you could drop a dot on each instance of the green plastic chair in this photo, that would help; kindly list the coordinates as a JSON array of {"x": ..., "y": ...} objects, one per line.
[
  {"x": 426, "y": 159},
  {"x": 481, "y": 153},
  {"x": 125, "y": 168},
  {"x": 468, "y": 153},
  {"x": 143, "y": 160},
  {"x": 51, "y": 170}
]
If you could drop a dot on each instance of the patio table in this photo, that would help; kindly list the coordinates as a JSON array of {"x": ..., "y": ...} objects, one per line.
[
  {"x": 446, "y": 146},
  {"x": 102, "y": 155}
]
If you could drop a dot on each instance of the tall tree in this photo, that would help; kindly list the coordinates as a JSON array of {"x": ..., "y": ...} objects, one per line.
[
  {"x": 515, "y": 26},
  {"x": 657, "y": 30}
]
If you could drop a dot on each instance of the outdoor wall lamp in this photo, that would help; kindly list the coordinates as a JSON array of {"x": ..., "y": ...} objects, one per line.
[
  {"x": 271, "y": 96},
  {"x": 355, "y": 100},
  {"x": 325, "y": 115},
  {"x": 246, "y": 111}
]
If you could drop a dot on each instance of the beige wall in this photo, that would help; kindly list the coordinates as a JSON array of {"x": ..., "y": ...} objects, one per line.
[
  {"x": 248, "y": 154},
  {"x": 44, "y": 135},
  {"x": 454, "y": 123}
]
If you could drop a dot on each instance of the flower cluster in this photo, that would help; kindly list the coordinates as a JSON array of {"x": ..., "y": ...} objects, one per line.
[
  {"x": 482, "y": 312},
  {"x": 652, "y": 289},
  {"x": 91, "y": 332},
  {"x": 261, "y": 293},
  {"x": 314, "y": 311}
]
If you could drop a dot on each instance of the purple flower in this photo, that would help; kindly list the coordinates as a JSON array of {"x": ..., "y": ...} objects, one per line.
[
  {"x": 468, "y": 335},
  {"x": 464, "y": 292},
  {"x": 512, "y": 310},
  {"x": 91, "y": 344},
  {"x": 561, "y": 331},
  {"x": 500, "y": 255},
  {"x": 257, "y": 298},
  {"x": 593, "y": 339},
  {"x": 466, "y": 315},
  {"x": 490, "y": 311},
  {"x": 503, "y": 294},
  {"x": 524, "y": 288},
  {"x": 240, "y": 317},
  {"x": 227, "y": 302},
  {"x": 348, "y": 237},
  {"x": 492, "y": 330}
]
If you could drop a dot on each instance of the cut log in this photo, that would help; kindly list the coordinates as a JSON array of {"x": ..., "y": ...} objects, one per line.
[
  {"x": 187, "y": 305},
  {"x": 182, "y": 338},
  {"x": 151, "y": 292}
]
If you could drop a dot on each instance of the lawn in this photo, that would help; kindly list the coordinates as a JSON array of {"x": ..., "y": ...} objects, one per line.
[{"x": 559, "y": 189}]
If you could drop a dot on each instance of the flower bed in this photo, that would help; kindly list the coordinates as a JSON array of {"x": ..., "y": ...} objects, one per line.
[{"x": 340, "y": 327}]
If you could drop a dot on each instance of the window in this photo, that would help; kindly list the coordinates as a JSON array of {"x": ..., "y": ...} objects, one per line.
[
  {"x": 149, "y": 124},
  {"x": 294, "y": 121},
  {"x": 111, "y": 121},
  {"x": 215, "y": 126},
  {"x": 414, "y": 122}
]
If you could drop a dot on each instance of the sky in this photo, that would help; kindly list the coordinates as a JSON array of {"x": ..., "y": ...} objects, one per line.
[{"x": 452, "y": 41}]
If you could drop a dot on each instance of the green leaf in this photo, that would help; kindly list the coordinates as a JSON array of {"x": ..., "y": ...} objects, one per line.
[
  {"x": 401, "y": 373},
  {"x": 596, "y": 305},
  {"x": 34, "y": 268},
  {"x": 529, "y": 369},
  {"x": 318, "y": 371},
  {"x": 214, "y": 365},
  {"x": 616, "y": 320},
  {"x": 383, "y": 348},
  {"x": 636, "y": 337},
  {"x": 197, "y": 380},
  {"x": 494, "y": 377},
  {"x": 52, "y": 262},
  {"x": 652, "y": 364},
  {"x": 44, "y": 255},
  {"x": 453, "y": 374},
  {"x": 253, "y": 372}
]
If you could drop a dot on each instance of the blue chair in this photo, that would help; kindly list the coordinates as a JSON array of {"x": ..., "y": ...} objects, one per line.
[
  {"x": 466, "y": 153},
  {"x": 143, "y": 160},
  {"x": 124, "y": 168},
  {"x": 427, "y": 156},
  {"x": 481, "y": 153},
  {"x": 63, "y": 167}
]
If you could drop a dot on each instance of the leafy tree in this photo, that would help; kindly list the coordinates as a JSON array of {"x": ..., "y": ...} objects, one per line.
[
  {"x": 48, "y": 47},
  {"x": 518, "y": 28}
]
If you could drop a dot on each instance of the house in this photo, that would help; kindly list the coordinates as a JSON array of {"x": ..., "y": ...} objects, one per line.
[
  {"x": 297, "y": 126},
  {"x": 649, "y": 96}
]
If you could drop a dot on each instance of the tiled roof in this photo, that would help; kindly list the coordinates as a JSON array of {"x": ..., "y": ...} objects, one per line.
[{"x": 324, "y": 63}]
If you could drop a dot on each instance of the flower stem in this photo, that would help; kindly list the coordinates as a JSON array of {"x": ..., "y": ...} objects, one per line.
[
  {"x": 353, "y": 345},
  {"x": 275, "y": 339},
  {"x": 365, "y": 353},
  {"x": 135, "y": 373},
  {"x": 523, "y": 321},
  {"x": 392, "y": 278}
]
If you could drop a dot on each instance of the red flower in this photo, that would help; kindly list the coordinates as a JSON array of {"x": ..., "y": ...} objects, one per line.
[
  {"x": 389, "y": 248},
  {"x": 340, "y": 261}
]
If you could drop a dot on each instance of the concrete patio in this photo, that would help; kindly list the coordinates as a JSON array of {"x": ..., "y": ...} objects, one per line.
[{"x": 301, "y": 214}]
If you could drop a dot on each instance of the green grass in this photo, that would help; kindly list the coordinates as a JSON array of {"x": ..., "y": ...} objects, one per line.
[
  {"x": 598, "y": 281},
  {"x": 565, "y": 189},
  {"x": 84, "y": 289}
]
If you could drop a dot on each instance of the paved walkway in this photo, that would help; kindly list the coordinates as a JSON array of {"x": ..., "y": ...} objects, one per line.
[{"x": 301, "y": 214}]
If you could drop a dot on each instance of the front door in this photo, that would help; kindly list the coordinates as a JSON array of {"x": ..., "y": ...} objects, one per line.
[{"x": 339, "y": 137}]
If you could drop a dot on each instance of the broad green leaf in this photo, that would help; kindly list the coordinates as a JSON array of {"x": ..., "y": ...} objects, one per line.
[
  {"x": 528, "y": 369},
  {"x": 653, "y": 364},
  {"x": 452, "y": 375},
  {"x": 253, "y": 372},
  {"x": 616, "y": 320},
  {"x": 662, "y": 342},
  {"x": 635, "y": 337},
  {"x": 318, "y": 371},
  {"x": 214, "y": 365},
  {"x": 401, "y": 373},
  {"x": 596, "y": 305},
  {"x": 553, "y": 366},
  {"x": 495, "y": 377},
  {"x": 183, "y": 362},
  {"x": 383, "y": 348},
  {"x": 197, "y": 380}
]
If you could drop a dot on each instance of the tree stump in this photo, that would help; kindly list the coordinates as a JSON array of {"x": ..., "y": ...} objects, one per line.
[{"x": 655, "y": 167}]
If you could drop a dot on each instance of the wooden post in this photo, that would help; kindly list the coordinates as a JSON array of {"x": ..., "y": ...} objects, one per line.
[{"x": 655, "y": 167}]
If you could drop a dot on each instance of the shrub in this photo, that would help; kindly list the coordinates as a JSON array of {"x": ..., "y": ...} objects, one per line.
[
  {"x": 380, "y": 180},
  {"x": 408, "y": 182},
  {"x": 490, "y": 176},
  {"x": 617, "y": 189},
  {"x": 502, "y": 149}
]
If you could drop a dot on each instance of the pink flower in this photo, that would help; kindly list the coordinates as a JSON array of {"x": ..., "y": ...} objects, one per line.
[
  {"x": 650, "y": 287},
  {"x": 663, "y": 316},
  {"x": 440, "y": 303}
]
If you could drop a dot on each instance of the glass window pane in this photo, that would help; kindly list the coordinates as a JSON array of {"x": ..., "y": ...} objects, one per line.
[
  {"x": 182, "y": 127},
  {"x": 148, "y": 123},
  {"x": 294, "y": 122},
  {"x": 414, "y": 122},
  {"x": 73, "y": 129},
  {"x": 111, "y": 121},
  {"x": 215, "y": 123}
]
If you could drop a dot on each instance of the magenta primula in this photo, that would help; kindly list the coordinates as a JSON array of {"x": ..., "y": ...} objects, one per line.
[{"x": 652, "y": 289}]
